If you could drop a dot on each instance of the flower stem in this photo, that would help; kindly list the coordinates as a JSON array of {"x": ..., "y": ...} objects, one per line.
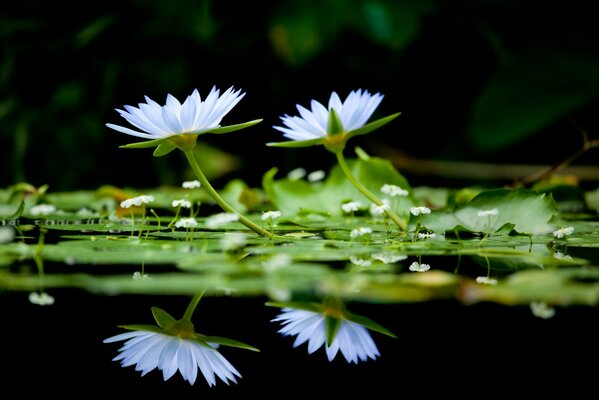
[
  {"x": 390, "y": 213},
  {"x": 219, "y": 200},
  {"x": 192, "y": 305}
]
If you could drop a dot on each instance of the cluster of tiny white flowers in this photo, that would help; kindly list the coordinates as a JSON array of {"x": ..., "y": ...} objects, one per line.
[
  {"x": 296, "y": 174},
  {"x": 186, "y": 223},
  {"x": 542, "y": 310},
  {"x": 351, "y": 206},
  {"x": 427, "y": 235},
  {"x": 485, "y": 280},
  {"x": 270, "y": 215},
  {"x": 42, "y": 209},
  {"x": 379, "y": 210},
  {"x": 563, "y": 232},
  {"x": 394, "y": 190},
  {"x": 137, "y": 201},
  {"x": 361, "y": 231},
  {"x": 316, "y": 176},
  {"x": 416, "y": 211},
  {"x": 41, "y": 299},
  {"x": 360, "y": 261},
  {"x": 220, "y": 219},
  {"x": 191, "y": 184},
  {"x": 388, "y": 258},
  {"x": 488, "y": 213},
  {"x": 419, "y": 267},
  {"x": 138, "y": 276},
  {"x": 181, "y": 203}
]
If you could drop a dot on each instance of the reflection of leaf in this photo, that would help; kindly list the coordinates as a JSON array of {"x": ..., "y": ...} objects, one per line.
[
  {"x": 526, "y": 210},
  {"x": 292, "y": 197}
]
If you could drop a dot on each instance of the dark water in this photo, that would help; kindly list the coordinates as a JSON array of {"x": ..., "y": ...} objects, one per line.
[{"x": 443, "y": 348}]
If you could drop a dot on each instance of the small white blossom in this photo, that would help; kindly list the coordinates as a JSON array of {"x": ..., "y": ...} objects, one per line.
[
  {"x": 41, "y": 299},
  {"x": 563, "y": 232},
  {"x": 296, "y": 174},
  {"x": 220, "y": 219},
  {"x": 42, "y": 209},
  {"x": 195, "y": 184},
  {"x": 137, "y": 201},
  {"x": 542, "y": 310},
  {"x": 186, "y": 223},
  {"x": 427, "y": 235},
  {"x": 388, "y": 258},
  {"x": 561, "y": 256},
  {"x": 270, "y": 215},
  {"x": 181, "y": 203},
  {"x": 420, "y": 210},
  {"x": 487, "y": 213},
  {"x": 7, "y": 234},
  {"x": 485, "y": 280},
  {"x": 379, "y": 210},
  {"x": 316, "y": 176},
  {"x": 394, "y": 190},
  {"x": 360, "y": 261},
  {"x": 351, "y": 206},
  {"x": 138, "y": 276},
  {"x": 361, "y": 231},
  {"x": 277, "y": 261},
  {"x": 232, "y": 240},
  {"x": 418, "y": 267}
]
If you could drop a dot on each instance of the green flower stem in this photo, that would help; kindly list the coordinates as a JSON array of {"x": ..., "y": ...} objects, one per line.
[
  {"x": 192, "y": 306},
  {"x": 390, "y": 213},
  {"x": 219, "y": 200}
]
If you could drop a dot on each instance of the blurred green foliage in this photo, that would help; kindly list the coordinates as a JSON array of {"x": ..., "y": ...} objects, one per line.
[{"x": 493, "y": 80}]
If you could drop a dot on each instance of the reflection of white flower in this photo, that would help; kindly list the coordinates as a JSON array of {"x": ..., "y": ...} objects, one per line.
[
  {"x": 137, "y": 201},
  {"x": 351, "y": 206},
  {"x": 191, "y": 184},
  {"x": 192, "y": 117},
  {"x": 220, "y": 219},
  {"x": 186, "y": 223},
  {"x": 352, "y": 339},
  {"x": 41, "y": 299},
  {"x": 361, "y": 231},
  {"x": 416, "y": 211},
  {"x": 42, "y": 209},
  {"x": 379, "y": 210},
  {"x": 151, "y": 350},
  {"x": 316, "y": 176},
  {"x": 388, "y": 258},
  {"x": 360, "y": 261},
  {"x": 394, "y": 190},
  {"x": 487, "y": 213},
  {"x": 485, "y": 280},
  {"x": 542, "y": 310},
  {"x": 419, "y": 267},
  {"x": 270, "y": 215},
  {"x": 563, "y": 232},
  {"x": 181, "y": 203},
  {"x": 296, "y": 174}
]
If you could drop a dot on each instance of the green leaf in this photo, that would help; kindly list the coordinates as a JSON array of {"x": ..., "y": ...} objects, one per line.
[
  {"x": 370, "y": 324},
  {"x": 297, "y": 143},
  {"x": 226, "y": 342},
  {"x": 332, "y": 326},
  {"x": 373, "y": 125},
  {"x": 236, "y": 127},
  {"x": 163, "y": 319},
  {"x": 143, "y": 145},
  {"x": 164, "y": 148},
  {"x": 334, "y": 126},
  {"x": 140, "y": 327}
]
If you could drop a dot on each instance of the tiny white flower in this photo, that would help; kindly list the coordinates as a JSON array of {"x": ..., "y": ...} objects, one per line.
[
  {"x": 379, "y": 210},
  {"x": 394, "y": 190},
  {"x": 352, "y": 339},
  {"x": 485, "y": 280},
  {"x": 316, "y": 176},
  {"x": 220, "y": 219},
  {"x": 361, "y": 231},
  {"x": 420, "y": 210},
  {"x": 42, "y": 209},
  {"x": 232, "y": 240},
  {"x": 181, "y": 203},
  {"x": 277, "y": 261},
  {"x": 360, "y": 261},
  {"x": 351, "y": 206},
  {"x": 138, "y": 276},
  {"x": 542, "y": 310},
  {"x": 388, "y": 258},
  {"x": 563, "y": 232},
  {"x": 296, "y": 174},
  {"x": 195, "y": 184},
  {"x": 7, "y": 234},
  {"x": 137, "y": 201},
  {"x": 270, "y": 215},
  {"x": 427, "y": 235},
  {"x": 41, "y": 299},
  {"x": 418, "y": 267},
  {"x": 487, "y": 213},
  {"x": 186, "y": 223},
  {"x": 561, "y": 256}
]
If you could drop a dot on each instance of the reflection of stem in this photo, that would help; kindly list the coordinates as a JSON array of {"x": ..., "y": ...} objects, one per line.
[
  {"x": 192, "y": 305},
  {"x": 37, "y": 258},
  {"x": 219, "y": 200},
  {"x": 390, "y": 213}
]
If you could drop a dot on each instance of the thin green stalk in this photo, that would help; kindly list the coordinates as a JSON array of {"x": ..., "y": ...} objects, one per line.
[
  {"x": 390, "y": 213},
  {"x": 219, "y": 200},
  {"x": 192, "y": 305}
]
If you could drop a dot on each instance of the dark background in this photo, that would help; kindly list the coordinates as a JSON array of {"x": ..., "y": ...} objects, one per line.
[{"x": 495, "y": 81}]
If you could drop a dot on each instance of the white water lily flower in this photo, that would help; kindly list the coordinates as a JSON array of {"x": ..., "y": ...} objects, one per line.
[
  {"x": 416, "y": 211},
  {"x": 270, "y": 215},
  {"x": 419, "y": 267},
  {"x": 296, "y": 174},
  {"x": 195, "y": 184},
  {"x": 488, "y": 213},
  {"x": 352, "y": 339},
  {"x": 42, "y": 209},
  {"x": 380, "y": 210},
  {"x": 563, "y": 232},
  {"x": 361, "y": 231},
  {"x": 150, "y": 350},
  {"x": 542, "y": 310},
  {"x": 217, "y": 220},
  {"x": 194, "y": 116},
  {"x": 360, "y": 261},
  {"x": 351, "y": 206},
  {"x": 186, "y": 223},
  {"x": 316, "y": 176},
  {"x": 394, "y": 190},
  {"x": 181, "y": 203},
  {"x": 137, "y": 201},
  {"x": 485, "y": 280},
  {"x": 388, "y": 258},
  {"x": 41, "y": 299}
]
